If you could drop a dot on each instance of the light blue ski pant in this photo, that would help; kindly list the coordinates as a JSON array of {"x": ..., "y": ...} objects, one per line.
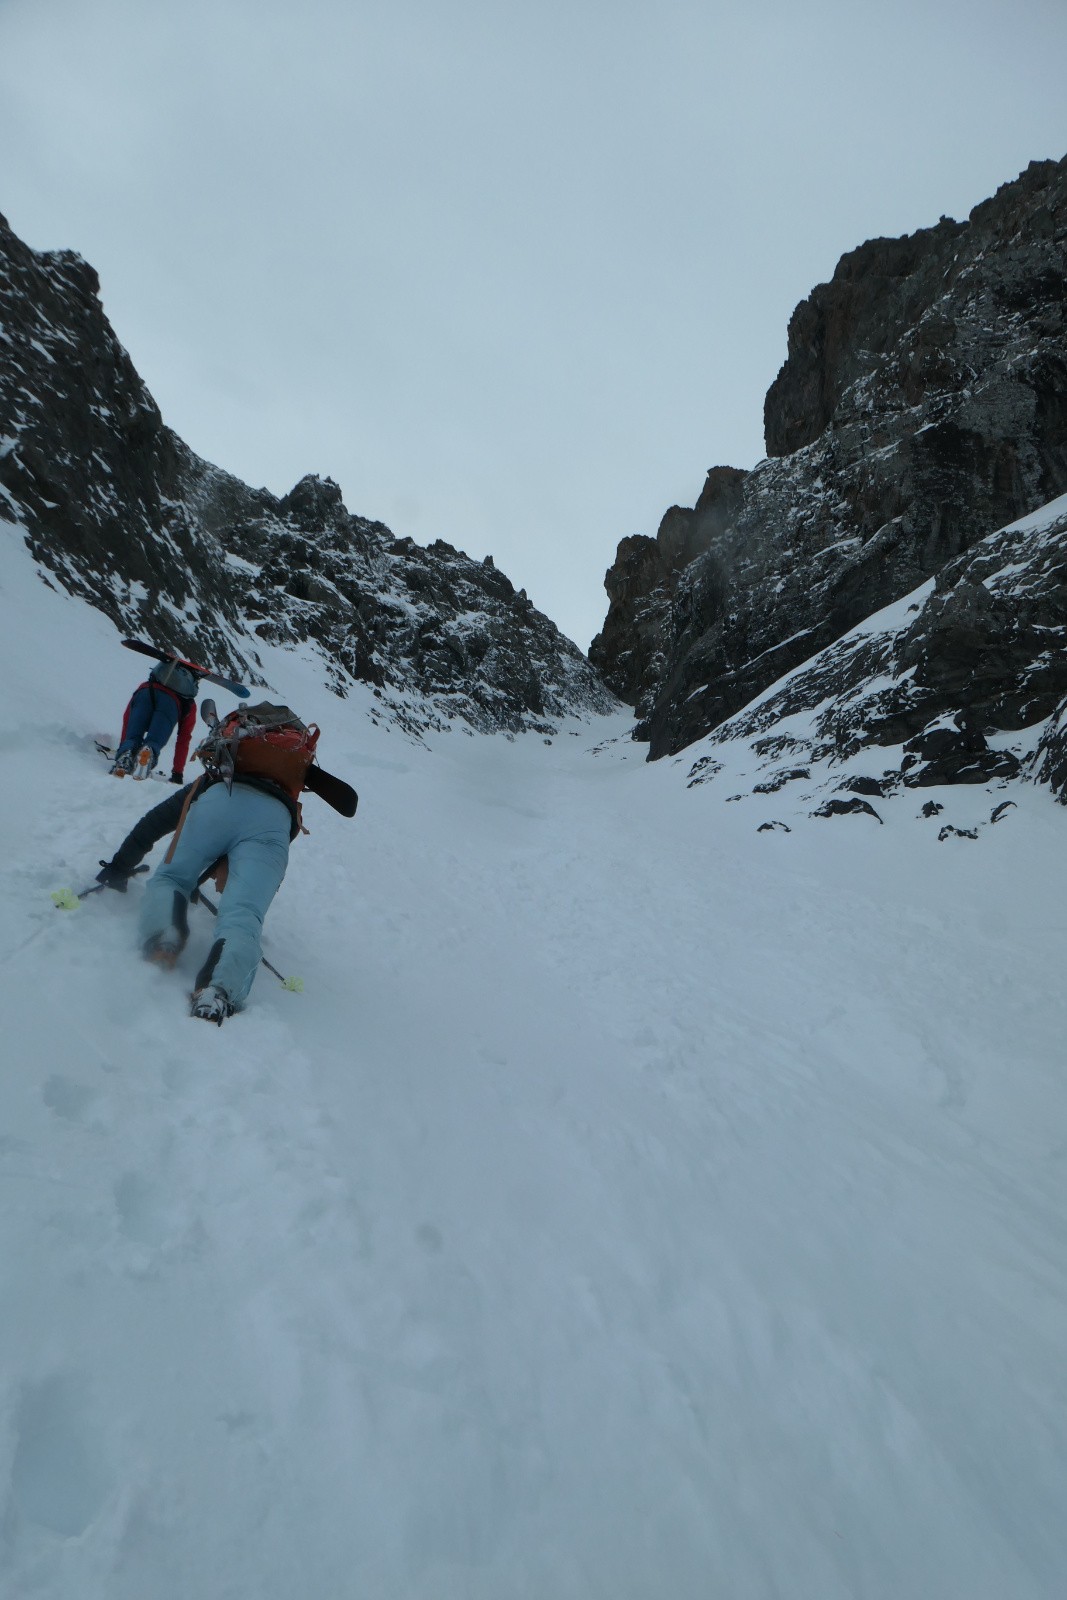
[{"x": 251, "y": 829}]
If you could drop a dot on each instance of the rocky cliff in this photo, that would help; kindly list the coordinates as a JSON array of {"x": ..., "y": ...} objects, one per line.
[
  {"x": 923, "y": 404},
  {"x": 962, "y": 682},
  {"x": 118, "y": 510},
  {"x": 954, "y": 683}
]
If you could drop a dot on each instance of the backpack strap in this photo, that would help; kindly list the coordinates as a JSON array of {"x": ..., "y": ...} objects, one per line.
[{"x": 190, "y": 797}]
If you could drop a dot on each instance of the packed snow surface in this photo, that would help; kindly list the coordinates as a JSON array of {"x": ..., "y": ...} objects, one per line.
[{"x": 634, "y": 1206}]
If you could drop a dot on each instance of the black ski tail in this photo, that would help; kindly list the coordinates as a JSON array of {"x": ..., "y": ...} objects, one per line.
[{"x": 336, "y": 793}]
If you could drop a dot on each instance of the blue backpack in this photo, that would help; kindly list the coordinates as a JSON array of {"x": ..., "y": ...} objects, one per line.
[{"x": 178, "y": 679}]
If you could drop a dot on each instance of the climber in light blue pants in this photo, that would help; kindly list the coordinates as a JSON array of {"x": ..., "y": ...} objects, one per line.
[{"x": 252, "y": 829}]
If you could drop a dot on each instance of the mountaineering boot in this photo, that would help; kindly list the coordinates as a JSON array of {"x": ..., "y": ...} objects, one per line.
[
  {"x": 211, "y": 1005},
  {"x": 146, "y": 760},
  {"x": 162, "y": 951},
  {"x": 122, "y": 765}
]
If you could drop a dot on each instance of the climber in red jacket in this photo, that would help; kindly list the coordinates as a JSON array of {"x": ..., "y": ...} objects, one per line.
[{"x": 167, "y": 699}]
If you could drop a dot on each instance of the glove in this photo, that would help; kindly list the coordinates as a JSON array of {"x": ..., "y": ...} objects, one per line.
[
  {"x": 177, "y": 776},
  {"x": 112, "y": 878}
]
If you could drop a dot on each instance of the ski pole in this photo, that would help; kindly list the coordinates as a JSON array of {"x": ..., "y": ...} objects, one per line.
[
  {"x": 68, "y": 900},
  {"x": 295, "y": 985}
]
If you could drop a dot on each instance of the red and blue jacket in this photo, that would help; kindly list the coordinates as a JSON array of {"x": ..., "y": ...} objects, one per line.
[{"x": 186, "y": 723}]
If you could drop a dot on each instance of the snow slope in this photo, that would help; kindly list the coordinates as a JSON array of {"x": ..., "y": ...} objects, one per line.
[{"x": 633, "y": 1205}]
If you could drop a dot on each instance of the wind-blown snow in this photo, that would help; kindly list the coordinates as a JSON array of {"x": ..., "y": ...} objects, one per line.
[{"x": 632, "y": 1206}]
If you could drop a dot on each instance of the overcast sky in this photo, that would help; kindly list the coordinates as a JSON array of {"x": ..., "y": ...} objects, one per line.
[{"x": 514, "y": 274}]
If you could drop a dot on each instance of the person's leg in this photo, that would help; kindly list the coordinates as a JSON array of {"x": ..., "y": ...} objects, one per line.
[
  {"x": 137, "y": 723},
  {"x": 257, "y": 863},
  {"x": 205, "y": 836},
  {"x": 162, "y": 724}
]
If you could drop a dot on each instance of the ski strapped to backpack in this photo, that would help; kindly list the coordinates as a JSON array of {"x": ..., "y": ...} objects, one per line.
[{"x": 229, "y": 684}]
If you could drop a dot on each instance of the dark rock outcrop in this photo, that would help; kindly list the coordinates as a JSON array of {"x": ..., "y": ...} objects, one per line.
[
  {"x": 954, "y": 755},
  {"x": 1050, "y": 759},
  {"x": 651, "y": 601},
  {"x": 120, "y": 511},
  {"x": 923, "y": 403},
  {"x": 942, "y": 683},
  {"x": 845, "y": 327},
  {"x": 846, "y": 808},
  {"x": 872, "y": 787}
]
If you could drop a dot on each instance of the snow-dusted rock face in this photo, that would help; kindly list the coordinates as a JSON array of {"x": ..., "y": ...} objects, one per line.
[
  {"x": 121, "y": 512},
  {"x": 962, "y": 682},
  {"x": 922, "y": 405}
]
